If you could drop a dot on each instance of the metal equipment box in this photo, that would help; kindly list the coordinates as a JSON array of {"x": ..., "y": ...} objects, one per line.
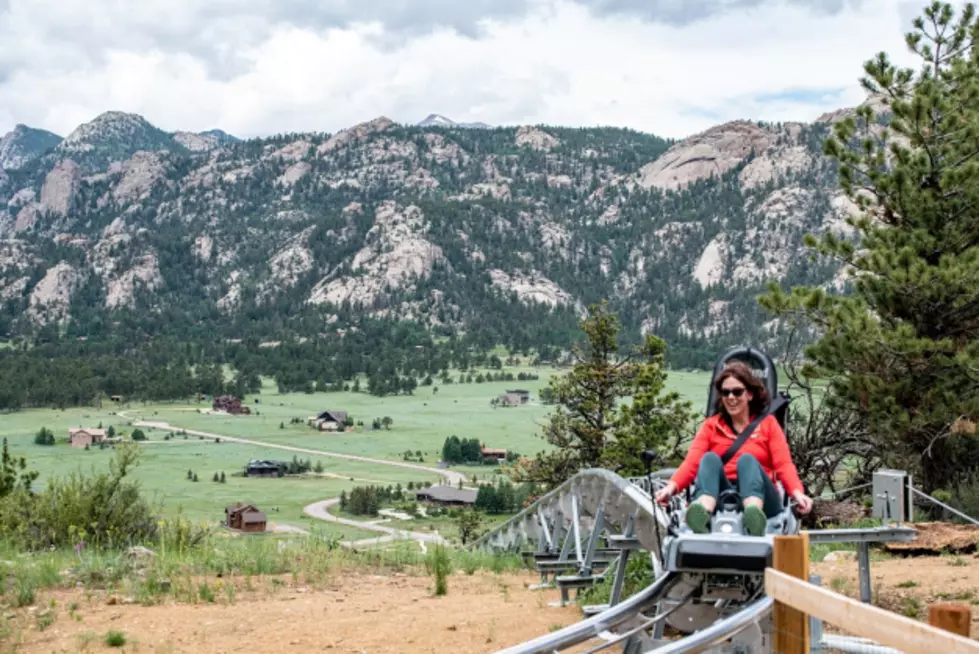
[{"x": 892, "y": 496}]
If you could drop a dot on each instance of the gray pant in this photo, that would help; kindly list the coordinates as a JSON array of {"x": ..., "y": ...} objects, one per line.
[{"x": 752, "y": 481}]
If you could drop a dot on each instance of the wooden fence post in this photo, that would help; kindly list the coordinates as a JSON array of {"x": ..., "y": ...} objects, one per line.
[
  {"x": 956, "y": 618},
  {"x": 791, "y": 626}
]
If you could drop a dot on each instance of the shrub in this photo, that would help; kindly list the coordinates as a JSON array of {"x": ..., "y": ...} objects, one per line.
[
  {"x": 103, "y": 509},
  {"x": 44, "y": 437}
]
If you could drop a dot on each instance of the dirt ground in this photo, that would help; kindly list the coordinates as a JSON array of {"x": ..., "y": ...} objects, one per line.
[
  {"x": 365, "y": 613},
  {"x": 908, "y": 585},
  {"x": 398, "y": 613}
]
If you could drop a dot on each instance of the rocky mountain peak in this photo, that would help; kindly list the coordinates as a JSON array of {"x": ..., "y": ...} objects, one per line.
[
  {"x": 356, "y": 133},
  {"x": 710, "y": 153},
  {"x": 108, "y": 125},
  {"x": 113, "y": 137},
  {"x": 23, "y": 144},
  {"x": 196, "y": 142},
  {"x": 438, "y": 120}
]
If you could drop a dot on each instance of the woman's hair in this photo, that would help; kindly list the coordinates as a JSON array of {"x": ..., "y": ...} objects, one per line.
[{"x": 743, "y": 373}]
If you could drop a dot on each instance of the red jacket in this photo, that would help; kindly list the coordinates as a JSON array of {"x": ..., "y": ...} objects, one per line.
[{"x": 767, "y": 443}]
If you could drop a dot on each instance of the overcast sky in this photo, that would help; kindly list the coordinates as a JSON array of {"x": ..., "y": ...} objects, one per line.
[{"x": 260, "y": 67}]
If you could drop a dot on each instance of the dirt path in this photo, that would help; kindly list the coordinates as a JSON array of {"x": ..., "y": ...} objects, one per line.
[
  {"x": 353, "y": 613},
  {"x": 451, "y": 476}
]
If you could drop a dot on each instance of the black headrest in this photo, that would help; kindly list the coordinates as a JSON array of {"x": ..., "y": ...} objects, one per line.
[{"x": 760, "y": 363}]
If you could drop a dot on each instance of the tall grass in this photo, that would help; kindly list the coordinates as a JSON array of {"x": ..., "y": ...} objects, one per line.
[{"x": 180, "y": 570}]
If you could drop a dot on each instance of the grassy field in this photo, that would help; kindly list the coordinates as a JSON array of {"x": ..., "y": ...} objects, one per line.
[{"x": 420, "y": 423}]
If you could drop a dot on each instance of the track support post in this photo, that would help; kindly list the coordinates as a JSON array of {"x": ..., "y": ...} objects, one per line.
[{"x": 791, "y": 626}]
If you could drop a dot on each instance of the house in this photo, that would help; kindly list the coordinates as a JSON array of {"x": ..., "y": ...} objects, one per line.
[
  {"x": 256, "y": 468},
  {"x": 85, "y": 436},
  {"x": 522, "y": 395},
  {"x": 490, "y": 453},
  {"x": 509, "y": 399},
  {"x": 329, "y": 421},
  {"x": 230, "y": 404},
  {"x": 447, "y": 496},
  {"x": 245, "y": 517}
]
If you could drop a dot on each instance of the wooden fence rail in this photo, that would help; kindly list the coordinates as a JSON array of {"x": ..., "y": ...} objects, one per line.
[{"x": 795, "y": 596}]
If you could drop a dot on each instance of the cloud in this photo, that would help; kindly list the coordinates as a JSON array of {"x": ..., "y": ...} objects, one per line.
[
  {"x": 685, "y": 12},
  {"x": 265, "y": 67}
]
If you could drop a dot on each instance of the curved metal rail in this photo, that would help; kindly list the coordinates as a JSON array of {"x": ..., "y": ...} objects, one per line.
[
  {"x": 596, "y": 625},
  {"x": 591, "y": 504},
  {"x": 577, "y": 503}
]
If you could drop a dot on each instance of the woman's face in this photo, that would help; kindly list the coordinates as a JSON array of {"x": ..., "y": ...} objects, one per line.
[{"x": 735, "y": 396}]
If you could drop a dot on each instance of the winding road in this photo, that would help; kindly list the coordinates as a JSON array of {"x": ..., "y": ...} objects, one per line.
[{"x": 320, "y": 510}]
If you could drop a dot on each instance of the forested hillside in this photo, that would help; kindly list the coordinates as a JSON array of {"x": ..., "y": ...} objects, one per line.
[{"x": 128, "y": 253}]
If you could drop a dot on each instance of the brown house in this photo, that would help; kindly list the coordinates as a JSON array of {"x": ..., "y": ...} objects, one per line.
[
  {"x": 490, "y": 453},
  {"x": 245, "y": 517},
  {"x": 82, "y": 436}
]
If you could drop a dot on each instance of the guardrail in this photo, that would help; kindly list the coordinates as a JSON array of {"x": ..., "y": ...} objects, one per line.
[{"x": 798, "y": 602}]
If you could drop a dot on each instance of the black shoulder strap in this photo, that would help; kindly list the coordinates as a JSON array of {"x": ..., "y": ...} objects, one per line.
[{"x": 773, "y": 406}]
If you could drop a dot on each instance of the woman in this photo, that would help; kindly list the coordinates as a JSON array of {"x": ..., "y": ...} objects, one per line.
[{"x": 753, "y": 469}]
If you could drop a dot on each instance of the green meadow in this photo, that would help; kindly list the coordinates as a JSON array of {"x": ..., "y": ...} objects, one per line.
[{"x": 421, "y": 423}]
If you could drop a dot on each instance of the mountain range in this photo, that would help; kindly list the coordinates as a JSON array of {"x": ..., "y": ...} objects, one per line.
[{"x": 504, "y": 233}]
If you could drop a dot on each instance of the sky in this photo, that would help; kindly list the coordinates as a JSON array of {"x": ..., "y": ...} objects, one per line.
[{"x": 263, "y": 67}]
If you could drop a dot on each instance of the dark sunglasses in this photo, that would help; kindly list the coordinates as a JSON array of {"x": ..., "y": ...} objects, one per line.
[{"x": 736, "y": 392}]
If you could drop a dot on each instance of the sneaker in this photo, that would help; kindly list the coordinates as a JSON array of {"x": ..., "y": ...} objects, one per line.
[
  {"x": 698, "y": 519},
  {"x": 754, "y": 521}
]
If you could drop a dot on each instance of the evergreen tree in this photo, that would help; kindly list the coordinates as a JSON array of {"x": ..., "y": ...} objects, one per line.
[
  {"x": 588, "y": 428},
  {"x": 14, "y": 475},
  {"x": 903, "y": 349}
]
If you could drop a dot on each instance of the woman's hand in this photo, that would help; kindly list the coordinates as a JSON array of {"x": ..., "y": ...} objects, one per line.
[
  {"x": 804, "y": 502},
  {"x": 664, "y": 494}
]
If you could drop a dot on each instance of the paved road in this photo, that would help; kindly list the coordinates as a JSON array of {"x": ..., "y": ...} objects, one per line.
[
  {"x": 320, "y": 510},
  {"x": 451, "y": 476}
]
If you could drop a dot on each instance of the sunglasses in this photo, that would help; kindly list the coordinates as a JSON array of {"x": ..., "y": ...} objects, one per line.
[{"x": 736, "y": 392}]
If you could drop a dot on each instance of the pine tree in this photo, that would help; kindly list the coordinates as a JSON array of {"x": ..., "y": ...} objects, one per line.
[
  {"x": 589, "y": 429},
  {"x": 14, "y": 475},
  {"x": 903, "y": 349}
]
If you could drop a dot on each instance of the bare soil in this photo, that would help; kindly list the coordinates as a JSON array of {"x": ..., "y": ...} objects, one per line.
[
  {"x": 360, "y": 612},
  {"x": 936, "y": 537},
  {"x": 908, "y": 585},
  {"x": 356, "y": 613}
]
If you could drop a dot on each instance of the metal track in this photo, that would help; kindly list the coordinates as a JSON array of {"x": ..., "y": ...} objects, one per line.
[
  {"x": 576, "y": 504},
  {"x": 563, "y": 529}
]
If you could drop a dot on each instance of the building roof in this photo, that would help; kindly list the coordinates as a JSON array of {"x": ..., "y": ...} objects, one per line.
[
  {"x": 86, "y": 430},
  {"x": 449, "y": 494},
  {"x": 238, "y": 508},
  {"x": 253, "y": 517},
  {"x": 490, "y": 450},
  {"x": 255, "y": 463},
  {"x": 335, "y": 416}
]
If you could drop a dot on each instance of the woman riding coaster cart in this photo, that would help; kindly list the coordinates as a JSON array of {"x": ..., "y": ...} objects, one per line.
[{"x": 754, "y": 468}]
